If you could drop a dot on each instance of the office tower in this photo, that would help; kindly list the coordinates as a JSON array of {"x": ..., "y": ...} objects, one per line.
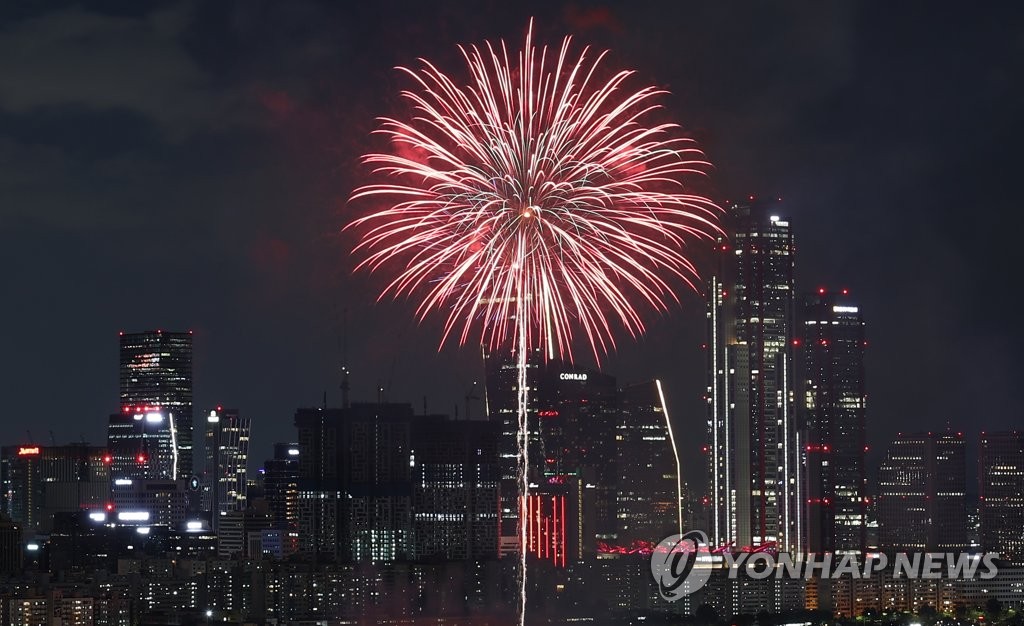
[
  {"x": 355, "y": 486},
  {"x": 227, "y": 457},
  {"x": 752, "y": 440},
  {"x": 922, "y": 493},
  {"x": 577, "y": 458},
  {"x": 142, "y": 442},
  {"x": 281, "y": 489},
  {"x": 455, "y": 488},
  {"x": 650, "y": 487},
  {"x": 572, "y": 419},
  {"x": 501, "y": 399},
  {"x": 156, "y": 371},
  {"x": 834, "y": 398},
  {"x": 319, "y": 483},
  {"x": 40, "y": 481},
  {"x": 1001, "y": 494}
]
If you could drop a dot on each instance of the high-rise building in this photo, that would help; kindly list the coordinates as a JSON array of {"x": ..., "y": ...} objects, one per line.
[
  {"x": 227, "y": 457},
  {"x": 754, "y": 489},
  {"x": 572, "y": 416},
  {"x": 156, "y": 371},
  {"x": 1001, "y": 494},
  {"x": 281, "y": 490},
  {"x": 834, "y": 399},
  {"x": 455, "y": 488},
  {"x": 40, "y": 481},
  {"x": 355, "y": 488},
  {"x": 142, "y": 442},
  {"x": 320, "y": 483},
  {"x": 922, "y": 493},
  {"x": 650, "y": 486},
  {"x": 501, "y": 401}
]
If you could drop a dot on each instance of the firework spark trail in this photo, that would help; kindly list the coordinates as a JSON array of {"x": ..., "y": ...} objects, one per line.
[{"x": 536, "y": 202}]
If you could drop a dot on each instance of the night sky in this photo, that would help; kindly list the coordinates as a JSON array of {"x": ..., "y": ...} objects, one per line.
[{"x": 186, "y": 166}]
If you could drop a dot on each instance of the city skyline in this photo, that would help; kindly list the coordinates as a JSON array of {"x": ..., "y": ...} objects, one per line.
[{"x": 567, "y": 311}]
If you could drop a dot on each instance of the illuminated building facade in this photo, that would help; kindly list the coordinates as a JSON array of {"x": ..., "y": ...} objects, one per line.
[
  {"x": 319, "y": 482},
  {"x": 650, "y": 487},
  {"x": 835, "y": 397},
  {"x": 1001, "y": 494},
  {"x": 573, "y": 416},
  {"x": 455, "y": 488},
  {"x": 922, "y": 494},
  {"x": 754, "y": 489},
  {"x": 501, "y": 401},
  {"x": 153, "y": 502},
  {"x": 227, "y": 458},
  {"x": 156, "y": 371},
  {"x": 142, "y": 442},
  {"x": 281, "y": 489},
  {"x": 40, "y": 481},
  {"x": 355, "y": 488}
]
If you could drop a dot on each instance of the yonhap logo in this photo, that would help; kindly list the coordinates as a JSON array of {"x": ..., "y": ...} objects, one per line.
[{"x": 676, "y": 566}]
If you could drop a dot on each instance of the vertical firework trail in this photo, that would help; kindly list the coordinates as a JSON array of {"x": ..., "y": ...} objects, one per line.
[
  {"x": 523, "y": 441},
  {"x": 535, "y": 201}
]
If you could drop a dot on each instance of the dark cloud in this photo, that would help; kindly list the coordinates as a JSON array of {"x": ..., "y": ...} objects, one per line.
[{"x": 187, "y": 164}]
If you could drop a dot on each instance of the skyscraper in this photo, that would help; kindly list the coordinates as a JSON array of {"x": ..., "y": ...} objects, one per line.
[
  {"x": 501, "y": 401},
  {"x": 650, "y": 486},
  {"x": 320, "y": 482},
  {"x": 922, "y": 493},
  {"x": 355, "y": 487},
  {"x": 1001, "y": 494},
  {"x": 281, "y": 489},
  {"x": 39, "y": 481},
  {"x": 752, "y": 451},
  {"x": 572, "y": 418},
  {"x": 156, "y": 371},
  {"x": 834, "y": 398},
  {"x": 227, "y": 457},
  {"x": 142, "y": 442},
  {"x": 455, "y": 488}
]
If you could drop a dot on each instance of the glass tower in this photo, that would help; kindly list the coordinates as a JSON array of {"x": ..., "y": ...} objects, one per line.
[
  {"x": 833, "y": 347},
  {"x": 752, "y": 453},
  {"x": 156, "y": 372}
]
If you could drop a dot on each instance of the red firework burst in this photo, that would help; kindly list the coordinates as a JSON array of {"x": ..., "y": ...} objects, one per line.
[{"x": 536, "y": 199}]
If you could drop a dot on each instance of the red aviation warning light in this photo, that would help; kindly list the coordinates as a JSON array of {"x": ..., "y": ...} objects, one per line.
[{"x": 142, "y": 457}]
